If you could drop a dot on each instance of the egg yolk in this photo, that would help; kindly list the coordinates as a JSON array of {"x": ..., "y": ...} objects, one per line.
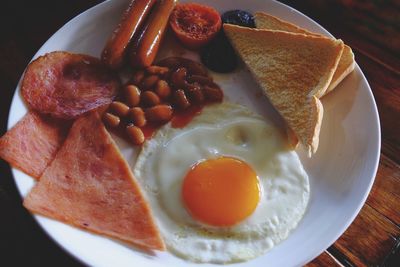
[{"x": 221, "y": 191}]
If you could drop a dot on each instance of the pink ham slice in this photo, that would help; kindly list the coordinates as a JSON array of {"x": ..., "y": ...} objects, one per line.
[
  {"x": 90, "y": 185},
  {"x": 66, "y": 85},
  {"x": 33, "y": 143}
]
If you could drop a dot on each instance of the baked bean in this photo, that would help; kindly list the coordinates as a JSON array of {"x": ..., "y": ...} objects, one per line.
[
  {"x": 200, "y": 79},
  {"x": 178, "y": 78},
  {"x": 149, "y": 99},
  {"x": 170, "y": 62},
  {"x": 119, "y": 108},
  {"x": 137, "y": 77},
  {"x": 196, "y": 95},
  {"x": 213, "y": 94},
  {"x": 132, "y": 95},
  {"x": 137, "y": 116},
  {"x": 180, "y": 99},
  {"x": 162, "y": 89},
  {"x": 159, "y": 113},
  {"x": 192, "y": 86},
  {"x": 135, "y": 134},
  {"x": 111, "y": 120},
  {"x": 149, "y": 82},
  {"x": 157, "y": 70},
  {"x": 193, "y": 67}
]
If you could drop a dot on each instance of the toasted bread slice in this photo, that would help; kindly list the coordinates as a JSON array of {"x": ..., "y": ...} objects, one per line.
[
  {"x": 345, "y": 66},
  {"x": 346, "y": 62},
  {"x": 294, "y": 71}
]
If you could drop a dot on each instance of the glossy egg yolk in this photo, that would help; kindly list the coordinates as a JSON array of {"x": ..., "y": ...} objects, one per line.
[{"x": 221, "y": 191}]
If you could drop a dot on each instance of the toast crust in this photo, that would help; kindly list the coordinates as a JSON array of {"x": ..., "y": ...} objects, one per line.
[
  {"x": 346, "y": 62},
  {"x": 345, "y": 67}
]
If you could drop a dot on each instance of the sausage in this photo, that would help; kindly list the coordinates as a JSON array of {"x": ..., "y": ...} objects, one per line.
[
  {"x": 144, "y": 49},
  {"x": 132, "y": 19}
]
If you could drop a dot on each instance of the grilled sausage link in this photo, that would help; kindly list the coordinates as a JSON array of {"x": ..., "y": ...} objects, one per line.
[
  {"x": 144, "y": 49},
  {"x": 132, "y": 19}
]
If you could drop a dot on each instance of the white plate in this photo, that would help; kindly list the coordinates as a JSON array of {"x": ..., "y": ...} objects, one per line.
[{"x": 341, "y": 173}]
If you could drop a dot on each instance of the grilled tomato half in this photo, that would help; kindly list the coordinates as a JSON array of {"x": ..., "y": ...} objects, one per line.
[{"x": 195, "y": 25}]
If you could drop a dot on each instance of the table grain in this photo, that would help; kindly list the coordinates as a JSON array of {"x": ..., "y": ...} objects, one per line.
[{"x": 370, "y": 27}]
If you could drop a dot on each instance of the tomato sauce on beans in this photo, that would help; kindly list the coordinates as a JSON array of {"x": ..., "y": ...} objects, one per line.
[{"x": 176, "y": 90}]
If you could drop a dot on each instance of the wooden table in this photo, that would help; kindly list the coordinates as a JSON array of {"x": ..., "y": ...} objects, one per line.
[{"x": 371, "y": 28}]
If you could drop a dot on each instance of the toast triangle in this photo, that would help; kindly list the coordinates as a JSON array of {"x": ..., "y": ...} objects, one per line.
[
  {"x": 294, "y": 70},
  {"x": 346, "y": 62}
]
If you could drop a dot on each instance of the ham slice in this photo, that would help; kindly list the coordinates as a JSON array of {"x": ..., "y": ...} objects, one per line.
[
  {"x": 33, "y": 143},
  {"x": 66, "y": 85},
  {"x": 90, "y": 185}
]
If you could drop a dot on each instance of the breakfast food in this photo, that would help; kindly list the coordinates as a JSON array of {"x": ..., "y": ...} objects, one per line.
[
  {"x": 239, "y": 17},
  {"x": 89, "y": 185},
  {"x": 145, "y": 47},
  {"x": 346, "y": 62},
  {"x": 224, "y": 188},
  {"x": 133, "y": 18},
  {"x": 193, "y": 67},
  {"x": 225, "y": 184},
  {"x": 219, "y": 55},
  {"x": 33, "y": 142},
  {"x": 66, "y": 85},
  {"x": 195, "y": 25},
  {"x": 294, "y": 71},
  {"x": 158, "y": 94}
]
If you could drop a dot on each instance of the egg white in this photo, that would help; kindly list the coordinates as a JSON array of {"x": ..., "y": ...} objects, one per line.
[{"x": 223, "y": 130}]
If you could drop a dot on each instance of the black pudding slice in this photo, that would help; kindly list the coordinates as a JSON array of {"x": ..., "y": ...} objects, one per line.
[
  {"x": 239, "y": 17},
  {"x": 219, "y": 55}
]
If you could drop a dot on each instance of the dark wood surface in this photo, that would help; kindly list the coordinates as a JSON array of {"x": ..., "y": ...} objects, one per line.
[{"x": 370, "y": 27}]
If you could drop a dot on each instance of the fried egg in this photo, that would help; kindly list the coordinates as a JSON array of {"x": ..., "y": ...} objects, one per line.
[{"x": 225, "y": 188}]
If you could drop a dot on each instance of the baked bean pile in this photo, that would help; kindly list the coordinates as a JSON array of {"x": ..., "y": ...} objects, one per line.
[{"x": 153, "y": 95}]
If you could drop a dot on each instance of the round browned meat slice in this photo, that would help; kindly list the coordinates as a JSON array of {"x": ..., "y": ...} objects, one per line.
[{"x": 66, "y": 85}]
